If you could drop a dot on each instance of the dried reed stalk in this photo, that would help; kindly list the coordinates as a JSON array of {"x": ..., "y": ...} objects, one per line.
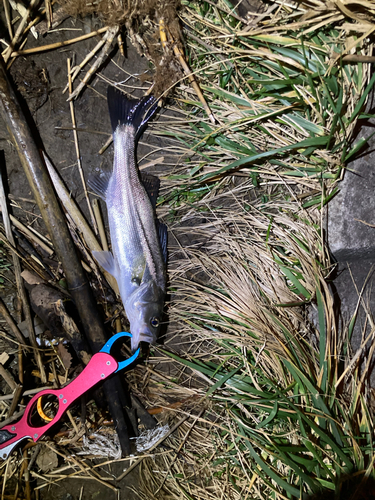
[{"x": 20, "y": 286}]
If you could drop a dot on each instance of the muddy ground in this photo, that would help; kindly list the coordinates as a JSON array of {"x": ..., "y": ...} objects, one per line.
[{"x": 40, "y": 80}]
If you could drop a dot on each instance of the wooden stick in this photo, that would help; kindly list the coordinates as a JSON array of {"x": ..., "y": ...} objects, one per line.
[
  {"x": 72, "y": 421},
  {"x": 78, "y": 155},
  {"x": 20, "y": 364},
  {"x": 22, "y": 257},
  {"x": 52, "y": 46},
  {"x": 12, "y": 248},
  {"x": 14, "y": 417},
  {"x": 26, "y": 475},
  {"x": 78, "y": 68},
  {"x": 72, "y": 332},
  {"x": 31, "y": 26},
  {"x": 26, "y": 393},
  {"x": 120, "y": 44},
  {"x": 118, "y": 326},
  {"x": 5, "y": 477},
  {"x": 58, "y": 17},
  {"x": 11, "y": 323},
  {"x": 20, "y": 284},
  {"x": 106, "y": 145},
  {"x": 358, "y": 58}
]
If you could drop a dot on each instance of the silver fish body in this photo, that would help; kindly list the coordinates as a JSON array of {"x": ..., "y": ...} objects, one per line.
[{"x": 138, "y": 260}]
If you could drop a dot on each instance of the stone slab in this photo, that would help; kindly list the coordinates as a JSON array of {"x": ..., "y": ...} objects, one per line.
[{"x": 350, "y": 239}]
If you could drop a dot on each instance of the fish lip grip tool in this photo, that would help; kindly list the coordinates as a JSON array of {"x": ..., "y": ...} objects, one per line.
[{"x": 101, "y": 366}]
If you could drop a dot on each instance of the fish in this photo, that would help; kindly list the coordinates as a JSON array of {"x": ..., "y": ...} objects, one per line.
[{"x": 139, "y": 241}]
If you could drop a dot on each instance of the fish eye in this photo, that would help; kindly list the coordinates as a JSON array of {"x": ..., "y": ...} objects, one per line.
[{"x": 154, "y": 322}]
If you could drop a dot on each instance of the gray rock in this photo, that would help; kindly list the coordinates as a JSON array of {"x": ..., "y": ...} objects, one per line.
[
  {"x": 349, "y": 238},
  {"x": 352, "y": 243}
]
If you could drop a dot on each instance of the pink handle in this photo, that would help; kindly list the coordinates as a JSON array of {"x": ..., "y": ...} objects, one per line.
[{"x": 99, "y": 368}]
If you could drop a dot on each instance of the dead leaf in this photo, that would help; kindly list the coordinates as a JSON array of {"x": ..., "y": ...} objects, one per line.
[
  {"x": 64, "y": 355},
  {"x": 4, "y": 358},
  {"x": 47, "y": 460},
  {"x": 31, "y": 278}
]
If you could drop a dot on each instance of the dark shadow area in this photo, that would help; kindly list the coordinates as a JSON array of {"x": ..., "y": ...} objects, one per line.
[{"x": 352, "y": 487}]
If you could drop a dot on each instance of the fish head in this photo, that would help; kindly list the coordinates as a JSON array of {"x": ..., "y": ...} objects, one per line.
[{"x": 144, "y": 309}]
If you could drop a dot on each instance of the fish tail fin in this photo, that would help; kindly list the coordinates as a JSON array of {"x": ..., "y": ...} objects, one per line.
[{"x": 125, "y": 111}]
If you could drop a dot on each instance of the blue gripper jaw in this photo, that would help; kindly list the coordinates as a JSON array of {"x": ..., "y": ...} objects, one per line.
[{"x": 109, "y": 344}]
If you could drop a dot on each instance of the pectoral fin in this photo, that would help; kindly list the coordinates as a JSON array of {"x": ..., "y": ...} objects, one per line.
[
  {"x": 106, "y": 260},
  {"x": 99, "y": 184}
]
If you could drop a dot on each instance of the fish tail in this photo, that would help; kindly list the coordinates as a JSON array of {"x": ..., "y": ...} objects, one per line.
[{"x": 133, "y": 112}]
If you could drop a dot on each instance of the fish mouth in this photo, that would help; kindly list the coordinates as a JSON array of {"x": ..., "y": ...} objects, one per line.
[
  {"x": 143, "y": 342},
  {"x": 146, "y": 338}
]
